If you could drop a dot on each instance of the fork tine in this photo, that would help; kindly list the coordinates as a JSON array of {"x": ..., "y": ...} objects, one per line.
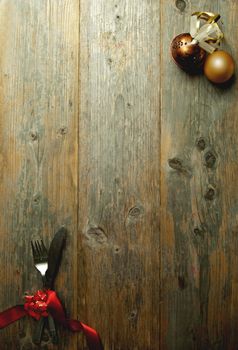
[
  {"x": 44, "y": 250},
  {"x": 39, "y": 248},
  {"x": 34, "y": 249}
]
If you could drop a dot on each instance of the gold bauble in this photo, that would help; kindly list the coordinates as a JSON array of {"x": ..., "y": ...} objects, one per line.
[
  {"x": 189, "y": 57},
  {"x": 219, "y": 67}
]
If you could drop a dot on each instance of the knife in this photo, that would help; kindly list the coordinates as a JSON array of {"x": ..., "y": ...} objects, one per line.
[{"x": 54, "y": 258}]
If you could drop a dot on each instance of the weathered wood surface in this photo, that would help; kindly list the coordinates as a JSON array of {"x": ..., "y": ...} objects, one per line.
[
  {"x": 198, "y": 194},
  {"x": 119, "y": 162},
  {"x": 102, "y": 133},
  {"x": 38, "y": 150}
]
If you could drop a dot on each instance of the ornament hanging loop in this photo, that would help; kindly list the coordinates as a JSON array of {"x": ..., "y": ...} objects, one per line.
[
  {"x": 207, "y": 16},
  {"x": 208, "y": 35}
]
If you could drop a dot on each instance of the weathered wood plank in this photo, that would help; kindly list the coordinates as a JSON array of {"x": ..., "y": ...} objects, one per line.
[
  {"x": 38, "y": 149},
  {"x": 119, "y": 171},
  {"x": 199, "y": 205},
  {"x": 139, "y": 162}
]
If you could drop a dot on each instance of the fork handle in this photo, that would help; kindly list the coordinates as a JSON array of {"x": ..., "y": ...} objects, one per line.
[
  {"x": 52, "y": 330},
  {"x": 51, "y": 323},
  {"x": 38, "y": 331}
]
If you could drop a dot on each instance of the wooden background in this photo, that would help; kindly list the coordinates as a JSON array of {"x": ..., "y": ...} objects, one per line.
[{"x": 102, "y": 133}]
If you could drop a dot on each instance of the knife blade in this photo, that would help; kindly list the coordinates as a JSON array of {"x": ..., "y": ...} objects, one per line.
[{"x": 54, "y": 256}]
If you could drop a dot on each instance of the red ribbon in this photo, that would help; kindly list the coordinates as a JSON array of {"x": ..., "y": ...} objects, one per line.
[{"x": 41, "y": 304}]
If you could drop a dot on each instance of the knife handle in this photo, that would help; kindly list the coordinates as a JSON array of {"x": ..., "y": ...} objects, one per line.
[
  {"x": 52, "y": 330},
  {"x": 36, "y": 338}
]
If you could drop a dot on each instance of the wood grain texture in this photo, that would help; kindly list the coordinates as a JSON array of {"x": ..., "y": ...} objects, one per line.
[
  {"x": 38, "y": 147},
  {"x": 198, "y": 194},
  {"x": 102, "y": 133},
  {"x": 119, "y": 171}
]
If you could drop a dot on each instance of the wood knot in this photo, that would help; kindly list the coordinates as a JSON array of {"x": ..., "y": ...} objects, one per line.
[
  {"x": 97, "y": 234},
  {"x": 135, "y": 212},
  {"x": 133, "y": 315},
  {"x": 63, "y": 130},
  {"x": 198, "y": 232},
  {"x": 177, "y": 164},
  {"x": 36, "y": 199},
  {"x": 210, "y": 159},
  {"x": 210, "y": 194},
  {"x": 33, "y": 136},
  {"x": 181, "y": 5},
  {"x": 109, "y": 61},
  {"x": 201, "y": 144}
]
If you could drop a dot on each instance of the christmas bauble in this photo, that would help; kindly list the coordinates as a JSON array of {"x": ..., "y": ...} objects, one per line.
[
  {"x": 219, "y": 67},
  {"x": 189, "y": 57}
]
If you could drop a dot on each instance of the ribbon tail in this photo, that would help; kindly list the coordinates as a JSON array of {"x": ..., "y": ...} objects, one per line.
[
  {"x": 207, "y": 47},
  {"x": 92, "y": 337},
  {"x": 11, "y": 315},
  {"x": 56, "y": 310},
  {"x": 194, "y": 26}
]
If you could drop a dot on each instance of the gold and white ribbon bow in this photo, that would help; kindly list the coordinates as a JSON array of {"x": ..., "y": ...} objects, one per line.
[{"x": 208, "y": 35}]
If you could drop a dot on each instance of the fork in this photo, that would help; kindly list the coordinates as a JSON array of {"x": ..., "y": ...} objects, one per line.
[{"x": 40, "y": 257}]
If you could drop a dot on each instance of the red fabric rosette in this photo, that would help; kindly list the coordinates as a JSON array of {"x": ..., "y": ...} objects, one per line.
[{"x": 36, "y": 305}]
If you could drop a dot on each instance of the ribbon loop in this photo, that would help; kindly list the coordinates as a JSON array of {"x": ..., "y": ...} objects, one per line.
[{"x": 208, "y": 35}]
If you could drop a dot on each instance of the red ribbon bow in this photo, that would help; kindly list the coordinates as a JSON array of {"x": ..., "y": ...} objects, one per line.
[
  {"x": 36, "y": 305},
  {"x": 41, "y": 304}
]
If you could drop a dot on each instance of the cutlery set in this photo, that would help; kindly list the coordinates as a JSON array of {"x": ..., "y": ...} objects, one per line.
[
  {"x": 47, "y": 263},
  {"x": 44, "y": 305}
]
